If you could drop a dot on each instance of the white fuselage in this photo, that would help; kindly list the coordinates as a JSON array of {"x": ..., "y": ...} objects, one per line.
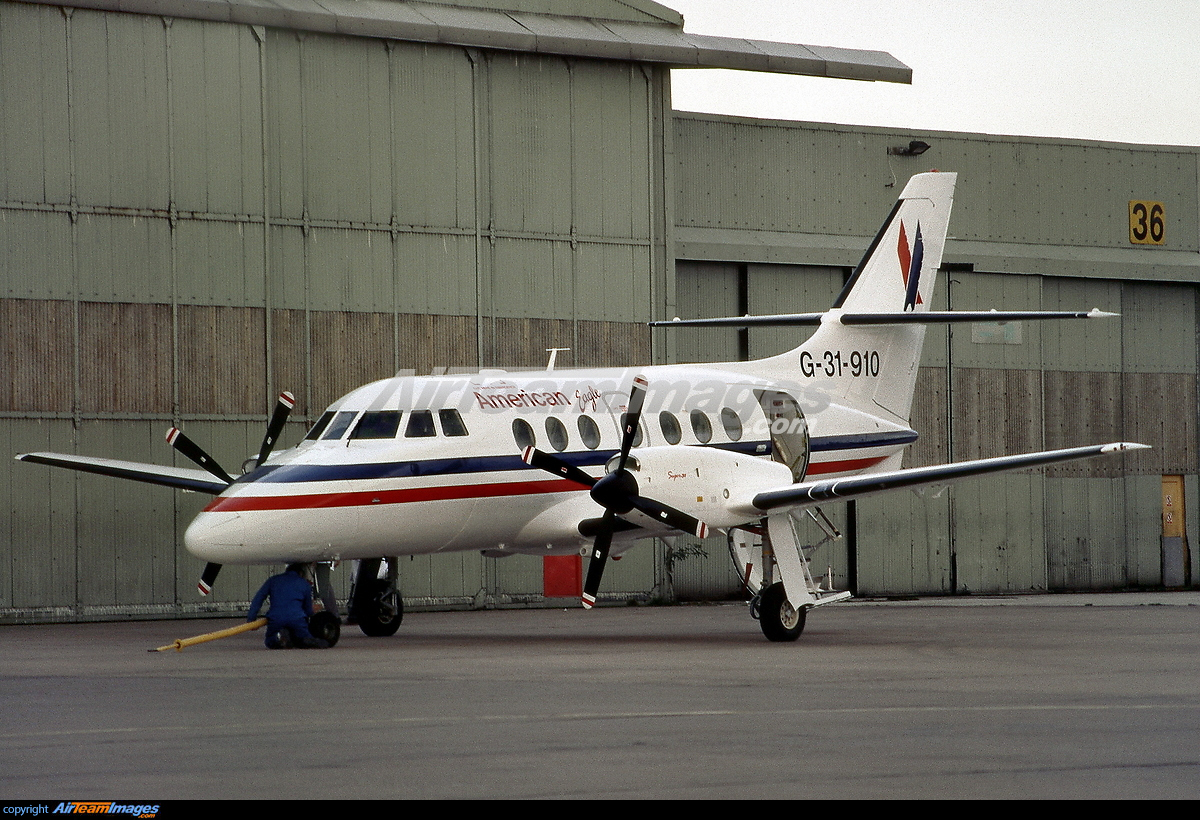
[{"x": 452, "y": 481}]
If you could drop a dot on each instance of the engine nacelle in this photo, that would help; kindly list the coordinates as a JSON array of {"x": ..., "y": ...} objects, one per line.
[{"x": 702, "y": 481}]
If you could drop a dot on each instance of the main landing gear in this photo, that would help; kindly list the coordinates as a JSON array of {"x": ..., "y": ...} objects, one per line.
[
  {"x": 779, "y": 620},
  {"x": 375, "y": 602},
  {"x": 774, "y": 567}
]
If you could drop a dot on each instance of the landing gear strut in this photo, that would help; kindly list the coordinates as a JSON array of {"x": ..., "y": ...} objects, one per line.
[
  {"x": 774, "y": 567},
  {"x": 375, "y": 603}
]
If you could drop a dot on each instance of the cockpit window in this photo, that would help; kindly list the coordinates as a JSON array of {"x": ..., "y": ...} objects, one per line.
[
  {"x": 452, "y": 423},
  {"x": 377, "y": 424},
  {"x": 420, "y": 424},
  {"x": 338, "y": 426},
  {"x": 318, "y": 428}
]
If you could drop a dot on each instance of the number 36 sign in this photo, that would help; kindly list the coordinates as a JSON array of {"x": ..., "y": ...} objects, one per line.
[{"x": 1147, "y": 223}]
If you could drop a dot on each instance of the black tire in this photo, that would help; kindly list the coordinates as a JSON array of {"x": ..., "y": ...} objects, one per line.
[
  {"x": 325, "y": 626},
  {"x": 381, "y": 616},
  {"x": 779, "y": 621}
]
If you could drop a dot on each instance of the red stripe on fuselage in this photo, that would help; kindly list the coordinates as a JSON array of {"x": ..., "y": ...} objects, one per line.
[
  {"x": 242, "y": 503},
  {"x": 826, "y": 467},
  {"x": 313, "y": 501}
]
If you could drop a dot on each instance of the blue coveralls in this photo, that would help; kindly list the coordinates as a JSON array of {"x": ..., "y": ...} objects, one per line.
[{"x": 291, "y": 606}]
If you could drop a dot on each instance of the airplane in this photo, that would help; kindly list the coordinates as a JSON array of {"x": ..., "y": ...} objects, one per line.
[{"x": 560, "y": 462}]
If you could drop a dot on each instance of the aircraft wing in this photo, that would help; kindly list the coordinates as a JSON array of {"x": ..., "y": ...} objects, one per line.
[
  {"x": 809, "y": 493},
  {"x": 178, "y": 477}
]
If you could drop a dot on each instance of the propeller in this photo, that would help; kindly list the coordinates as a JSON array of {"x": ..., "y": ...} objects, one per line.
[
  {"x": 279, "y": 418},
  {"x": 616, "y": 492},
  {"x": 193, "y": 451}
]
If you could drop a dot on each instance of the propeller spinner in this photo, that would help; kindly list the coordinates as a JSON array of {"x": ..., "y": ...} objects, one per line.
[
  {"x": 196, "y": 453},
  {"x": 617, "y": 492}
]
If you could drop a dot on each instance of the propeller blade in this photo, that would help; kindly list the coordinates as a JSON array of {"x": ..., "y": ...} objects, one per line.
[
  {"x": 278, "y": 418},
  {"x": 616, "y": 492},
  {"x": 671, "y": 516},
  {"x": 552, "y": 464},
  {"x": 599, "y": 557},
  {"x": 630, "y": 419},
  {"x": 208, "y": 578},
  {"x": 189, "y": 448}
]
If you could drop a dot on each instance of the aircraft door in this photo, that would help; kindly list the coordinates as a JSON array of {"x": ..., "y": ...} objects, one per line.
[{"x": 788, "y": 429}]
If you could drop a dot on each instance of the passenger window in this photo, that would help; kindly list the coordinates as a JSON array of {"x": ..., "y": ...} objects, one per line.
[
  {"x": 341, "y": 422},
  {"x": 701, "y": 426},
  {"x": 523, "y": 434},
  {"x": 452, "y": 423},
  {"x": 377, "y": 424},
  {"x": 319, "y": 427},
  {"x": 732, "y": 424},
  {"x": 589, "y": 432},
  {"x": 637, "y": 435},
  {"x": 670, "y": 427},
  {"x": 420, "y": 424},
  {"x": 557, "y": 433}
]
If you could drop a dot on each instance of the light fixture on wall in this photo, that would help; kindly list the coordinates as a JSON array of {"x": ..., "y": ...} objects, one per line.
[{"x": 914, "y": 149}]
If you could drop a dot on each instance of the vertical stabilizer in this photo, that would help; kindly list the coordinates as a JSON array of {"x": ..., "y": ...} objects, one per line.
[{"x": 875, "y": 366}]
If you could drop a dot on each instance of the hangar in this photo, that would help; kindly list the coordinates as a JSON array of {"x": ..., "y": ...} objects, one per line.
[{"x": 205, "y": 202}]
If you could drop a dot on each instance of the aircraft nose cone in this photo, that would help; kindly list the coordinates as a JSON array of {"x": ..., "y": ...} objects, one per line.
[{"x": 213, "y": 536}]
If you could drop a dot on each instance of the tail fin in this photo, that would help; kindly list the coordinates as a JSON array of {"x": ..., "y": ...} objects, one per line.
[
  {"x": 867, "y": 347},
  {"x": 874, "y": 366}
]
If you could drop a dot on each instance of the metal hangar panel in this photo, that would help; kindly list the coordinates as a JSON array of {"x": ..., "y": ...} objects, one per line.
[
  {"x": 1038, "y": 224},
  {"x": 203, "y": 203}
]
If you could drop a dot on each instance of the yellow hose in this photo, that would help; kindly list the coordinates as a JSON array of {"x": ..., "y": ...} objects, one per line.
[{"x": 212, "y": 636}]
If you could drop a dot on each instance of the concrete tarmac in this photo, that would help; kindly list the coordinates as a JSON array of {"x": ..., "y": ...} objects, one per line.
[{"x": 1054, "y": 696}]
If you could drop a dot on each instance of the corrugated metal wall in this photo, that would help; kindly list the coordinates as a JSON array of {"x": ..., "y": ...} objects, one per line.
[
  {"x": 197, "y": 215},
  {"x": 1051, "y": 218}
]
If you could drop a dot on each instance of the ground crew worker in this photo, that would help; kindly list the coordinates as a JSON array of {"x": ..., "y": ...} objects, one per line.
[{"x": 291, "y": 607}]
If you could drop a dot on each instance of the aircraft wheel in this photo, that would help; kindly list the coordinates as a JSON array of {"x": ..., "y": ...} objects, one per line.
[
  {"x": 779, "y": 620},
  {"x": 383, "y": 613},
  {"x": 326, "y": 626}
]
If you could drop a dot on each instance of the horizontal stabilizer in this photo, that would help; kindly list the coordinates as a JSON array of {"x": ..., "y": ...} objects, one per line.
[
  {"x": 177, "y": 477},
  {"x": 809, "y": 493},
  {"x": 929, "y": 317}
]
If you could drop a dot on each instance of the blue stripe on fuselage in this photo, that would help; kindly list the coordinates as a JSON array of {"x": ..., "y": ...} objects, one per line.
[{"x": 298, "y": 473}]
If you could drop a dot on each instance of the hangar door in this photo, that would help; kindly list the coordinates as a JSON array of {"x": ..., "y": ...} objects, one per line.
[{"x": 987, "y": 390}]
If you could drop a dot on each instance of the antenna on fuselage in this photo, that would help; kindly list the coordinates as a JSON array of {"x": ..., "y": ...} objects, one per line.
[{"x": 553, "y": 351}]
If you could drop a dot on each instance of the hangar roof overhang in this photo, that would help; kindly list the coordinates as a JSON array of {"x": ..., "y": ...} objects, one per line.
[{"x": 524, "y": 31}]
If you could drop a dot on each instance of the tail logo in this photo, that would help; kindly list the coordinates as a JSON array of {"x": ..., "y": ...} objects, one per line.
[{"x": 910, "y": 267}]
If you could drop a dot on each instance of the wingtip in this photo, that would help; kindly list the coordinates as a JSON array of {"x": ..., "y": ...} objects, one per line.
[{"x": 1119, "y": 446}]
